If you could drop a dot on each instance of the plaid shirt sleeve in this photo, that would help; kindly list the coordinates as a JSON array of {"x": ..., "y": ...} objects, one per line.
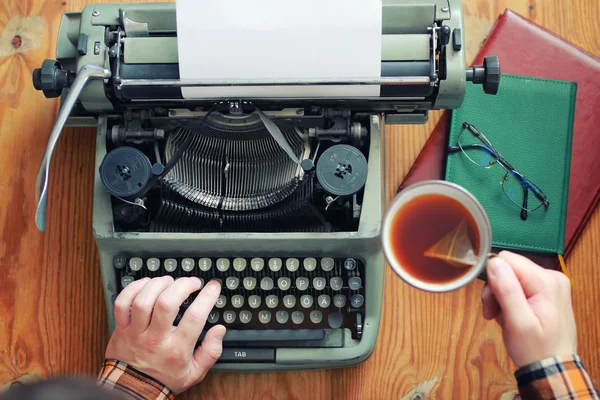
[
  {"x": 556, "y": 378},
  {"x": 133, "y": 384}
]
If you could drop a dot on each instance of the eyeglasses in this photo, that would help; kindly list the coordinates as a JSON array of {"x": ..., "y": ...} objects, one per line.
[{"x": 480, "y": 151}]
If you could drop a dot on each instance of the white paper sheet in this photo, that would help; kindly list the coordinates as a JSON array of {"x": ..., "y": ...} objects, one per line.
[{"x": 281, "y": 39}]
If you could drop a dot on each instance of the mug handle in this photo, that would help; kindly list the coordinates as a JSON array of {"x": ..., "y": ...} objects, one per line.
[{"x": 483, "y": 275}]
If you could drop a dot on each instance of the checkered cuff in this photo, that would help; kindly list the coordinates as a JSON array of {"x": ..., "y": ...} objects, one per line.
[
  {"x": 556, "y": 378},
  {"x": 120, "y": 377}
]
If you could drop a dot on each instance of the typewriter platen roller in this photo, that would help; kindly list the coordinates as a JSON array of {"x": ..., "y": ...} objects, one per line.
[{"x": 279, "y": 198}]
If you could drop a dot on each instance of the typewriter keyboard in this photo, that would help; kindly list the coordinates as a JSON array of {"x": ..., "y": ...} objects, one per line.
[{"x": 293, "y": 296}]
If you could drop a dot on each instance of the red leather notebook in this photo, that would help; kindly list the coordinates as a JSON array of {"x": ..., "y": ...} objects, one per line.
[{"x": 525, "y": 48}]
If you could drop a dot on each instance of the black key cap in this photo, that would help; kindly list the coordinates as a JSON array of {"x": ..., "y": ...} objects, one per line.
[
  {"x": 186, "y": 303},
  {"x": 354, "y": 283},
  {"x": 247, "y": 355},
  {"x": 177, "y": 319},
  {"x": 350, "y": 264},
  {"x": 335, "y": 320},
  {"x": 119, "y": 262}
]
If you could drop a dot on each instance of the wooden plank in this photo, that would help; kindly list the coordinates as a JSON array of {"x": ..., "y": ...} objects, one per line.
[{"x": 52, "y": 315}]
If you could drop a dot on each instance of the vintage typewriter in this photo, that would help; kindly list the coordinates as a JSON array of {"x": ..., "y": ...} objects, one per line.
[{"x": 279, "y": 199}]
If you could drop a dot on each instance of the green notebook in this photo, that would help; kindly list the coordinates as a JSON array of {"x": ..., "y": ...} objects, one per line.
[{"x": 530, "y": 124}]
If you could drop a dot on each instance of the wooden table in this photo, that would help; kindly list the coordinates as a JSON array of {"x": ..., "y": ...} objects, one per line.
[{"x": 52, "y": 314}]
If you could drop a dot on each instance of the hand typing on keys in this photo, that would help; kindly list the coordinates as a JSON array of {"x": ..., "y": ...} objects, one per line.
[{"x": 145, "y": 338}]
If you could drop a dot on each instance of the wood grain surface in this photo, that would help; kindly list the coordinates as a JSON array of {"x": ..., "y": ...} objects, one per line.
[{"x": 52, "y": 315}]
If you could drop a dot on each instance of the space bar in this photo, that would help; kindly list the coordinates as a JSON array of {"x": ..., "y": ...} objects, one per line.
[{"x": 270, "y": 335}]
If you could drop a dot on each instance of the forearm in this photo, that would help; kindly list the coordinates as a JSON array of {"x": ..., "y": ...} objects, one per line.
[
  {"x": 556, "y": 378},
  {"x": 122, "y": 378}
]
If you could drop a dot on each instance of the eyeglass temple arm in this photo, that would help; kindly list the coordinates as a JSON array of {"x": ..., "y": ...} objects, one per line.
[
  {"x": 453, "y": 149},
  {"x": 539, "y": 194},
  {"x": 524, "y": 206},
  {"x": 479, "y": 135}
]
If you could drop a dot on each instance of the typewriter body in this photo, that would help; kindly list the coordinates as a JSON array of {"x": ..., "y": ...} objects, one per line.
[{"x": 279, "y": 199}]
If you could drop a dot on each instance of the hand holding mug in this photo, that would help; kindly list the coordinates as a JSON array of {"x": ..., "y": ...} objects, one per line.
[{"x": 533, "y": 307}]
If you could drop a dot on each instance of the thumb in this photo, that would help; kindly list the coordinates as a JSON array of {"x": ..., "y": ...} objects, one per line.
[
  {"x": 209, "y": 351},
  {"x": 509, "y": 293}
]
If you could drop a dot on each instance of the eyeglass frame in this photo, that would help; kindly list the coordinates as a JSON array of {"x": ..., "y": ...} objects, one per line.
[{"x": 510, "y": 170}]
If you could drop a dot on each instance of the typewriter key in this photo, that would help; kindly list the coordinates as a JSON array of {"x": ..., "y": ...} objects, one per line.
[
  {"x": 327, "y": 264},
  {"x": 254, "y": 301},
  {"x": 239, "y": 264},
  {"x": 221, "y": 301},
  {"x": 187, "y": 264},
  {"x": 257, "y": 264},
  {"x": 302, "y": 283},
  {"x": 282, "y": 316},
  {"x": 223, "y": 264},
  {"x": 213, "y": 317},
  {"x": 229, "y": 316},
  {"x": 119, "y": 262},
  {"x": 271, "y": 301},
  {"x": 310, "y": 264},
  {"x": 339, "y": 300},
  {"x": 249, "y": 283},
  {"x": 245, "y": 316},
  {"x": 170, "y": 264},
  {"x": 297, "y": 317},
  {"x": 264, "y": 316},
  {"x": 237, "y": 301},
  {"x": 357, "y": 300},
  {"x": 306, "y": 301},
  {"x": 289, "y": 301},
  {"x": 284, "y": 283},
  {"x": 266, "y": 283},
  {"x": 153, "y": 264},
  {"x": 135, "y": 264},
  {"x": 126, "y": 280},
  {"x": 336, "y": 283},
  {"x": 324, "y": 300},
  {"x": 232, "y": 282},
  {"x": 354, "y": 283},
  {"x": 316, "y": 316},
  {"x": 319, "y": 283}
]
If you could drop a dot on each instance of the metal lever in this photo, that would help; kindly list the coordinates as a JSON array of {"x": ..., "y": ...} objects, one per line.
[
  {"x": 278, "y": 136},
  {"x": 85, "y": 73}
]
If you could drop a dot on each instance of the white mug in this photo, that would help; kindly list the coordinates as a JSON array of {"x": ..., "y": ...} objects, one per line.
[{"x": 467, "y": 200}]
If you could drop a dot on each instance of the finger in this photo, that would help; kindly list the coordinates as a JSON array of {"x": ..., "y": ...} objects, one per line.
[
  {"x": 168, "y": 303},
  {"x": 123, "y": 302},
  {"x": 510, "y": 296},
  {"x": 532, "y": 276},
  {"x": 490, "y": 305},
  {"x": 143, "y": 305},
  {"x": 500, "y": 320},
  {"x": 190, "y": 327},
  {"x": 209, "y": 351}
]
